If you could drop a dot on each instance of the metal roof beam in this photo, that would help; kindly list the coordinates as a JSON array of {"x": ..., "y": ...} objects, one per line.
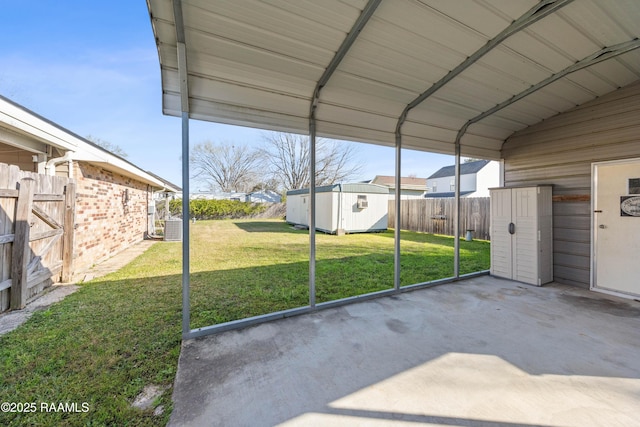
[
  {"x": 360, "y": 23},
  {"x": 183, "y": 75},
  {"x": 594, "y": 58},
  {"x": 539, "y": 11},
  {"x": 182, "y": 55}
]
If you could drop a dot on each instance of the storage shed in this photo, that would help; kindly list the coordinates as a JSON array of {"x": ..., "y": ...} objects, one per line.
[{"x": 342, "y": 208}]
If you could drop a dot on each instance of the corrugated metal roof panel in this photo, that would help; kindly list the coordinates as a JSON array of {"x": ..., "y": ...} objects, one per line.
[
  {"x": 256, "y": 63},
  {"x": 358, "y": 187}
]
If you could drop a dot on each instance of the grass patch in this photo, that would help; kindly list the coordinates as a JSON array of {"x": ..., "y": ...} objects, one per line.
[
  {"x": 105, "y": 343},
  {"x": 101, "y": 345},
  {"x": 245, "y": 268}
]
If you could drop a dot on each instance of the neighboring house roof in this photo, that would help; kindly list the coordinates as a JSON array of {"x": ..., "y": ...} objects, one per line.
[
  {"x": 406, "y": 183},
  {"x": 263, "y": 192},
  {"x": 268, "y": 196},
  {"x": 216, "y": 195},
  {"x": 465, "y": 169},
  {"x": 446, "y": 194},
  {"x": 28, "y": 130}
]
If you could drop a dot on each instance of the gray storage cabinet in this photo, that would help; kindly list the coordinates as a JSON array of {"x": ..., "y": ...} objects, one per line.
[{"x": 522, "y": 234}]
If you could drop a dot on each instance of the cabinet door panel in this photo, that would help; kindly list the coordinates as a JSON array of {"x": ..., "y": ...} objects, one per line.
[
  {"x": 525, "y": 217},
  {"x": 501, "y": 246}
]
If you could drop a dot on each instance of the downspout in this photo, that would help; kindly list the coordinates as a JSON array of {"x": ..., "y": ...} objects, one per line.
[
  {"x": 70, "y": 167},
  {"x": 50, "y": 168}
]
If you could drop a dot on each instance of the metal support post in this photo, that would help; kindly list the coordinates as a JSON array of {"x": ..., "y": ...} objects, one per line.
[
  {"x": 312, "y": 210},
  {"x": 396, "y": 231},
  {"x": 186, "y": 306},
  {"x": 456, "y": 244}
]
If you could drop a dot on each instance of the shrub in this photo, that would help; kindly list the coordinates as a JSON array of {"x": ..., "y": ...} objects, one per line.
[{"x": 216, "y": 209}]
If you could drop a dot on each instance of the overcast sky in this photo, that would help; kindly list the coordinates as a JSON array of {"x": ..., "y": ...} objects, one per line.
[{"x": 92, "y": 67}]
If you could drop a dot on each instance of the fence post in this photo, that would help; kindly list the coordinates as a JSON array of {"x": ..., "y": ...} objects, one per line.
[
  {"x": 69, "y": 232},
  {"x": 20, "y": 255}
]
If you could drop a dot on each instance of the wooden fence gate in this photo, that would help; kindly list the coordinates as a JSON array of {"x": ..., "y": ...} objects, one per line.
[
  {"x": 36, "y": 234},
  {"x": 436, "y": 216}
]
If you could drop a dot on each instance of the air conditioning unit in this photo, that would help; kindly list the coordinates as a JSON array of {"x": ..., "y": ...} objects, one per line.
[
  {"x": 362, "y": 204},
  {"x": 173, "y": 230}
]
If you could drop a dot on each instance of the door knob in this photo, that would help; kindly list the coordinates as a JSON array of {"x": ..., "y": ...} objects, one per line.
[{"x": 602, "y": 226}]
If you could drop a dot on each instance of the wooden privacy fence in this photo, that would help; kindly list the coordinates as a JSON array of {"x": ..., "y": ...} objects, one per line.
[
  {"x": 436, "y": 216},
  {"x": 36, "y": 234}
]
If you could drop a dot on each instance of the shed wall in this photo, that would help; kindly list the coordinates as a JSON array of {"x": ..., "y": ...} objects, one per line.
[
  {"x": 327, "y": 211},
  {"x": 559, "y": 151},
  {"x": 372, "y": 218},
  {"x": 297, "y": 205}
]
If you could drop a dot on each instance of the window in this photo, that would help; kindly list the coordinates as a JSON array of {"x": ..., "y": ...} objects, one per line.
[
  {"x": 362, "y": 202},
  {"x": 434, "y": 189},
  {"x": 452, "y": 185}
]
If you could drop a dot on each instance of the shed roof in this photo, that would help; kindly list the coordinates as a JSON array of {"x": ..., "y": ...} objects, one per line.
[
  {"x": 406, "y": 182},
  {"x": 356, "y": 187},
  {"x": 465, "y": 169},
  {"x": 492, "y": 66}
]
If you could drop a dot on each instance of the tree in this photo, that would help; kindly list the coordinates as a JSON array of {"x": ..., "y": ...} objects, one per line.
[
  {"x": 226, "y": 166},
  {"x": 267, "y": 183},
  {"x": 112, "y": 148},
  {"x": 470, "y": 159},
  {"x": 288, "y": 157}
]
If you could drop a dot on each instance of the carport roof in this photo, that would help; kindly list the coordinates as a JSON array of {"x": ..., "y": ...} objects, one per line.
[{"x": 258, "y": 63}]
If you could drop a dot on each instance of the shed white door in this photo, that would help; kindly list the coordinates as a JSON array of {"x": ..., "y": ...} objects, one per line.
[{"x": 616, "y": 256}]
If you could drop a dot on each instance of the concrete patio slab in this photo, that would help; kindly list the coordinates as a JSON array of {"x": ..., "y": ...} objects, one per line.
[{"x": 480, "y": 352}]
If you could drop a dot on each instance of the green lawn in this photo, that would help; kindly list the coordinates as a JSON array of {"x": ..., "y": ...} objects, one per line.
[
  {"x": 104, "y": 343},
  {"x": 247, "y": 268}
]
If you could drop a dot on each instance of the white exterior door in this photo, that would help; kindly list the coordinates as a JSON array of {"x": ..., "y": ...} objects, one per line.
[{"x": 616, "y": 227}]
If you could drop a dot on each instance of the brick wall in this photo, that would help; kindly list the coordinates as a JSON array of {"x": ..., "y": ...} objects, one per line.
[{"x": 111, "y": 214}]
